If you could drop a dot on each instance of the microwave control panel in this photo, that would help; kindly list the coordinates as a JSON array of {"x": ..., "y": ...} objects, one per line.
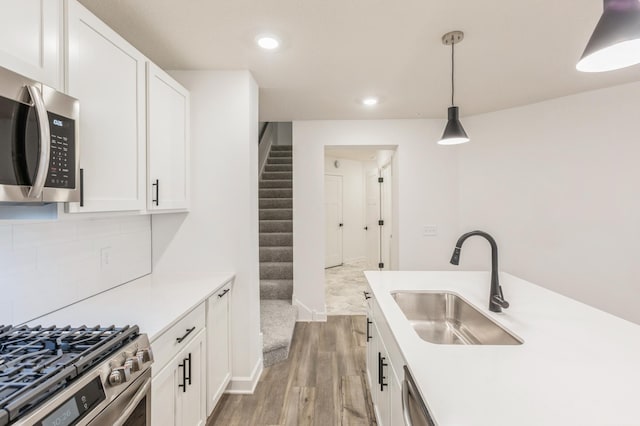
[{"x": 62, "y": 162}]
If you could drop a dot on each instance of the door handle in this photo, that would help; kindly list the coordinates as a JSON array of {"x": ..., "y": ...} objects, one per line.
[
  {"x": 369, "y": 336},
  {"x": 366, "y": 228},
  {"x": 157, "y": 185},
  {"x": 45, "y": 142},
  {"x": 340, "y": 225}
]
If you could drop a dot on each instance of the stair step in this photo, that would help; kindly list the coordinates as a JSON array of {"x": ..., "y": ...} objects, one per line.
[
  {"x": 284, "y": 183},
  {"x": 276, "y": 289},
  {"x": 277, "y": 175},
  {"x": 276, "y": 270},
  {"x": 282, "y": 148},
  {"x": 275, "y": 193},
  {"x": 279, "y": 160},
  {"x": 276, "y": 254},
  {"x": 277, "y": 323},
  {"x": 282, "y": 153},
  {"x": 278, "y": 168},
  {"x": 276, "y": 239},
  {"x": 275, "y": 203},
  {"x": 276, "y": 226},
  {"x": 275, "y": 214}
]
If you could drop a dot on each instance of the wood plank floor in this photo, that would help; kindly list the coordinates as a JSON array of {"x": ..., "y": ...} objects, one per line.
[{"x": 323, "y": 382}]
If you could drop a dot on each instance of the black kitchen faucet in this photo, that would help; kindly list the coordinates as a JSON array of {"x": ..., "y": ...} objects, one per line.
[{"x": 496, "y": 299}]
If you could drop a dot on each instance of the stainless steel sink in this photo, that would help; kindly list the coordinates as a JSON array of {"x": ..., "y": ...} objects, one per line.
[{"x": 447, "y": 319}]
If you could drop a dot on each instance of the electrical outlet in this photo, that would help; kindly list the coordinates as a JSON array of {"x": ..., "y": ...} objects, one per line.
[{"x": 429, "y": 231}]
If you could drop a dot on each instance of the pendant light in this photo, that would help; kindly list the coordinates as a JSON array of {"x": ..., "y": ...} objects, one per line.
[
  {"x": 454, "y": 133},
  {"x": 615, "y": 42}
]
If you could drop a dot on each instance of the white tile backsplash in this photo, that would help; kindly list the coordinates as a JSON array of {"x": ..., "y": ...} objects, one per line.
[{"x": 45, "y": 266}]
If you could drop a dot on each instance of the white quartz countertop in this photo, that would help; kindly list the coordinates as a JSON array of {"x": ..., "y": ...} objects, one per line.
[
  {"x": 152, "y": 302},
  {"x": 577, "y": 365}
]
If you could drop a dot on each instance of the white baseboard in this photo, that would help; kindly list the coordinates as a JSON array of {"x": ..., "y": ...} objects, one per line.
[
  {"x": 246, "y": 385},
  {"x": 307, "y": 315}
]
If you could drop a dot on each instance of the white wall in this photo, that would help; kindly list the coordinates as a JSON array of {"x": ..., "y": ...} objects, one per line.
[
  {"x": 557, "y": 184},
  {"x": 425, "y": 186},
  {"x": 353, "y": 233},
  {"x": 46, "y": 266},
  {"x": 221, "y": 230}
]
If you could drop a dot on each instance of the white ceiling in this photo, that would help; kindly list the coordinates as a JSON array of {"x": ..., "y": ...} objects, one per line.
[{"x": 338, "y": 51}]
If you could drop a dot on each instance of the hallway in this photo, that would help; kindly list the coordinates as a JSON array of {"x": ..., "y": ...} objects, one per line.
[{"x": 344, "y": 287}]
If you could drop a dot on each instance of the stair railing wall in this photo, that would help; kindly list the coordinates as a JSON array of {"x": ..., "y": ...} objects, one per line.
[{"x": 264, "y": 146}]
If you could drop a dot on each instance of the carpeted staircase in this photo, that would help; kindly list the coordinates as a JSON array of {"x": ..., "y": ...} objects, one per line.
[{"x": 277, "y": 315}]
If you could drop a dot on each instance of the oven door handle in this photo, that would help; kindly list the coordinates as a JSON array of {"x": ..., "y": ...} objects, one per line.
[
  {"x": 45, "y": 142},
  {"x": 139, "y": 396}
]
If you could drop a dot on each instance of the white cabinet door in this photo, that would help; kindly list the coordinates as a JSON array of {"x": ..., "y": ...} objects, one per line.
[
  {"x": 395, "y": 397},
  {"x": 107, "y": 75},
  {"x": 219, "y": 346},
  {"x": 31, "y": 34},
  {"x": 178, "y": 391},
  {"x": 168, "y": 142},
  {"x": 192, "y": 397},
  {"x": 163, "y": 395}
]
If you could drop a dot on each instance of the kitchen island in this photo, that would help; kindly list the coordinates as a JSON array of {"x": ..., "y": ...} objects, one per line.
[{"x": 576, "y": 366}]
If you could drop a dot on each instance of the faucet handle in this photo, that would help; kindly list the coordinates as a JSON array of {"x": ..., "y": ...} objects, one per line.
[{"x": 498, "y": 300}]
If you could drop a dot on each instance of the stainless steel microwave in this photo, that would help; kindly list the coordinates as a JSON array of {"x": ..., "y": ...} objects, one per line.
[{"x": 39, "y": 152}]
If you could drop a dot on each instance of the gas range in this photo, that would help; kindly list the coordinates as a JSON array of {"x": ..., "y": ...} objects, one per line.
[{"x": 69, "y": 375}]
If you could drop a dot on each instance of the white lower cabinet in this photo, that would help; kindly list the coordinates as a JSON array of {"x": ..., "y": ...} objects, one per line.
[
  {"x": 218, "y": 345},
  {"x": 178, "y": 391},
  {"x": 192, "y": 363},
  {"x": 179, "y": 386},
  {"x": 384, "y": 370}
]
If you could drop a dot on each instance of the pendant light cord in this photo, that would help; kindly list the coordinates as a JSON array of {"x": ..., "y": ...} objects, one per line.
[{"x": 453, "y": 87}]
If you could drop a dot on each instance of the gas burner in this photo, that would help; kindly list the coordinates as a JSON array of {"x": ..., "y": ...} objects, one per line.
[{"x": 36, "y": 362}]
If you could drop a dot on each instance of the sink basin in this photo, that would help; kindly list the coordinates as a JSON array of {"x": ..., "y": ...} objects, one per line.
[{"x": 447, "y": 319}]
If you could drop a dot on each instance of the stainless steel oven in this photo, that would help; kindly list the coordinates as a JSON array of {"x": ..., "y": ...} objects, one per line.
[
  {"x": 85, "y": 376},
  {"x": 39, "y": 149}
]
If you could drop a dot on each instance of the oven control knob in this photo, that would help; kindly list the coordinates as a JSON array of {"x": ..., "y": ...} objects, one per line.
[
  {"x": 133, "y": 363},
  {"x": 119, "y": 375},
  {"x": 145, "y": 355}
]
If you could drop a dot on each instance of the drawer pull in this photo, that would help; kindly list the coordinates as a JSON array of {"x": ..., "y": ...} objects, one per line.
[
  {"x": 224, "y": 292},
  {"x": 189, "y": 331},
  {"x": 367, "y": 295}
]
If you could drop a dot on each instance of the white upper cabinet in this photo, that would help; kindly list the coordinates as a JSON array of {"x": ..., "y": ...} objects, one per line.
[
  {"x": 168, "y": 142},
  {"x": 31, "y": 34},
  {"x": 107, "y": 75}
]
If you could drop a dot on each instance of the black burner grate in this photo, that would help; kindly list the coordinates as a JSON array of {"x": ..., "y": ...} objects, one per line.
[{"x": 36, "y": 362}]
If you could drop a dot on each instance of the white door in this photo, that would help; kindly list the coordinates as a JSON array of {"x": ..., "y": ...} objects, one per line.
[
  {"x": 372, "y": 216},
  {"x": 386, "y": 201},
  {"x": 31, "y": 34},
  {"x": 333, "y": 220},
  {"x": 168, "y": 142},
  {"x": 107, "y": 75}
]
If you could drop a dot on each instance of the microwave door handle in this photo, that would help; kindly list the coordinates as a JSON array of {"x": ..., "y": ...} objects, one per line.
[{"x": 45, "y": 142}]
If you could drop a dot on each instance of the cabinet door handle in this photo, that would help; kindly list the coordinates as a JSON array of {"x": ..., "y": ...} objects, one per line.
[
  {"x": 381, "y": 377},
  {"x": 157, "y": 185},
  {"x": 189, "y": 331},
  {"x": 81, "y": 187},
  {"x": 189, "y": 375},
  {"x": 367, "y": 295},
  {"x": 369, "y": 336},
  {"x": 226, "y": 290},
  {"x": 183, "y": 365}
]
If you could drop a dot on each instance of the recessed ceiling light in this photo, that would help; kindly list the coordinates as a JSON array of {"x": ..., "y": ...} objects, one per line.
[
  {"x": 268, "y": 42},
  {"x": 370, "y": 101}
]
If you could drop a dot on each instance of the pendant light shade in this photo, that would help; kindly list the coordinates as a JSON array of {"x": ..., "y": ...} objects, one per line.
[
  {"x": 453, "y": 132},
  {"x": 615, "y": 42}
]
